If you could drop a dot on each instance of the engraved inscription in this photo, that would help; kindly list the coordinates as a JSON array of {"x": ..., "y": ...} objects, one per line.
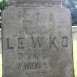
[
  {"x": 37, "y": 49},
  {"x": 37, "y": 27},
  {"x": 38, "y": 41},
  {"x": 20, "y": 43},
  {"x": 52, "y": 42},
  {"x": 29, "y": 65},
  {"x": 64, "y": 42},
  {"x": 8, "y": 44}
]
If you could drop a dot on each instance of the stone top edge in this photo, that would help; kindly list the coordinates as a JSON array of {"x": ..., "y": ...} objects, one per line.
[{"x": 53, "y": 2}]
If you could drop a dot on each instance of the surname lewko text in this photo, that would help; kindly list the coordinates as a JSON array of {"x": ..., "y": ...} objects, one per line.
[{"x": 37, "y": 42}]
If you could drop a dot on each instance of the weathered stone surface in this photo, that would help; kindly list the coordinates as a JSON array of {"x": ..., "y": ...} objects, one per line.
[
  {"x": 37, "y": 1},
  {"x": 37, "y": 42}
]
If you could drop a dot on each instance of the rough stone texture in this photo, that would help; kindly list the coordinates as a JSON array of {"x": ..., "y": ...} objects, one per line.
[
  {"x": 37, "y": 42},
  {"x": 37, "y": 1}
]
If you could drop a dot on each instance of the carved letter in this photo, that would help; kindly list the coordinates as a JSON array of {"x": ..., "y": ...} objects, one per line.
[
  {"x": 20, "y": 43},
  {"x": 37, "y": 41},
  {"x": 8, "y": 44},
  {"x": 21, "y": 56},
  {"x": 52, "y": 42},
  {"x": 27, "y": 65},
  {"x": 64, "y": 42},
  {"x": 19, "y": 65}
]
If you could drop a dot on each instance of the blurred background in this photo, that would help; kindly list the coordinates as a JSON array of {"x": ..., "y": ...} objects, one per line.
[{"x": 72, "y": 6}]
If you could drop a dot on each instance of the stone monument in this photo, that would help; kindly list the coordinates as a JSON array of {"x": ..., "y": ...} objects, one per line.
[{"x": 37, "y": 39}]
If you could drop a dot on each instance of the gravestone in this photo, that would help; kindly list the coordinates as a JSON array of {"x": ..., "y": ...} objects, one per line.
[
  {"x": 58, "y": 2},
  {"x": 37, "y": 39}
]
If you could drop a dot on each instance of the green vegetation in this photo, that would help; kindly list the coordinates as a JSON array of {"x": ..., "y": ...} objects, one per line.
[
  {"x": 4, "y": 3},
  {"x": 0, "y": 0}
]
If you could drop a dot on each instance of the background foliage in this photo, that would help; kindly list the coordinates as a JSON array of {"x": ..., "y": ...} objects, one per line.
[
  {"x": 72, "y": 5},
  {"x": 4, "y": 3}
]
